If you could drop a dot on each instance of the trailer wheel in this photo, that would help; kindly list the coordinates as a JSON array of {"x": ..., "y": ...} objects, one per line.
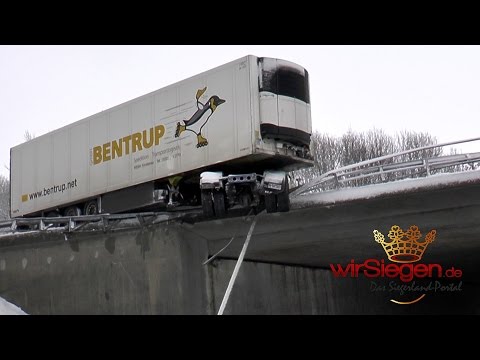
[
  {"x": 219, "y": 203},
  {"x": 283, "y": 199},
  {"x": 53, "y": 214},
  {"x": 271, "y": 203},
  {"x": 73, "y": 211},
  {"x": 207, "y": 203},
  {"x": 91, "y": 208}
]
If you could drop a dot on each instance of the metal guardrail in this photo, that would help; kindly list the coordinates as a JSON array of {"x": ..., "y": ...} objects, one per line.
[
  {"x": 75, "y": 223},
  {"x": 389, "y": 168}
]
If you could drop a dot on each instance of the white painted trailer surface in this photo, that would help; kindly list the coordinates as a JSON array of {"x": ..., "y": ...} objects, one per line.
[{"x": 234, "y": 112}]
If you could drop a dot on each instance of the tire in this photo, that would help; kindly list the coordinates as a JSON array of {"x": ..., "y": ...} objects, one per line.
[
  {"x": 73, "y": 211},
  {"x": 271, "y": 203},
  {"x": 207, "y": 204},
  {"x": 219, "y": 204},
  {"x": 283, "y": 199},
  {"x": 91, "y": 208}
]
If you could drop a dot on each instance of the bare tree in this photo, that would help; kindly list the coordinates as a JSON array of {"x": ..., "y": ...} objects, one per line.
[
  {"x": 28, "y": 135},
  {"x": 4, "y": 198},
  {"x": 324, "y": 149},
  {"x": 330, "y": 152}
]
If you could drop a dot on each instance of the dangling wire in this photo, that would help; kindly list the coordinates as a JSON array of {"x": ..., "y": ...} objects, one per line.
[{"x": 218, "y": 252}]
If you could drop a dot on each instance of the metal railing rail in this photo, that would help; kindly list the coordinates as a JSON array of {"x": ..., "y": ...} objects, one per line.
[
  {"x": 75, "y": 223},
  {"x": 384, "y": 165}
]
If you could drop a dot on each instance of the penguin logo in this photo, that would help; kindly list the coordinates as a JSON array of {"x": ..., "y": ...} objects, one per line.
[{"x": 202, "y": 108}]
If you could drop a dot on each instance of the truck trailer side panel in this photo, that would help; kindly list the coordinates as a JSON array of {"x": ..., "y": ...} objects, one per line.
[{"x": 204, "y": 120}]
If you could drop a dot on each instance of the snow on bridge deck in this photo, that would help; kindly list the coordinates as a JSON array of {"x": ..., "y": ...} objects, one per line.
[{"x": 380, "y": 190}]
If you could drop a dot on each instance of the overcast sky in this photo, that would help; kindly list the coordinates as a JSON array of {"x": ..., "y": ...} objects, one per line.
[{"x": 421, "y": 88}]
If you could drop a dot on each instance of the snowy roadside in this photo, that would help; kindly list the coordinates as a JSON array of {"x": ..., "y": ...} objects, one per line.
[
  {"x": 7, "y": 308},
  {"x": 376, "y": 190}
]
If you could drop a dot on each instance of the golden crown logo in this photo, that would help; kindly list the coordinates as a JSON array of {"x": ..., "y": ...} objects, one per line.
[{"x": 402, "y": 250}]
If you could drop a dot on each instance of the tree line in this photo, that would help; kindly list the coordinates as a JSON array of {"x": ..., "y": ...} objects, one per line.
[{"x": 332, "y": 152}]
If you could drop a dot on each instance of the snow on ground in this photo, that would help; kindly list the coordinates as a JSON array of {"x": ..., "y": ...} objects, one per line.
[
  {"x": 372, "y": 191},
  {"x": 7, "y": 308}
]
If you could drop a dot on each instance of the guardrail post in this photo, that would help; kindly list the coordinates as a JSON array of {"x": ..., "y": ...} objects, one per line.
[
  {"x": 425, "y": 163},
  {"x": 382, "y": 174},
  {"x": 71, "y": 224},
  {"x": 337, "y": 183},
  {"x": 105, "y": 224}
]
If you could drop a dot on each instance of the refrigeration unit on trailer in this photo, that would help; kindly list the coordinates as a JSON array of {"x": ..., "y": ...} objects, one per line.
[{"x": 223, "y": 138}]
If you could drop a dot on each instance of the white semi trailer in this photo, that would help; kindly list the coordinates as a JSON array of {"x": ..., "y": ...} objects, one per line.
[{"x": 222, "y": 138}]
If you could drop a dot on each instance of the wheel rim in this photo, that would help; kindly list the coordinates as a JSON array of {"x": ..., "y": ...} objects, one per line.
[
  {"x": 91, "y": 209},
  {"x": 73, "y": 211}
]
